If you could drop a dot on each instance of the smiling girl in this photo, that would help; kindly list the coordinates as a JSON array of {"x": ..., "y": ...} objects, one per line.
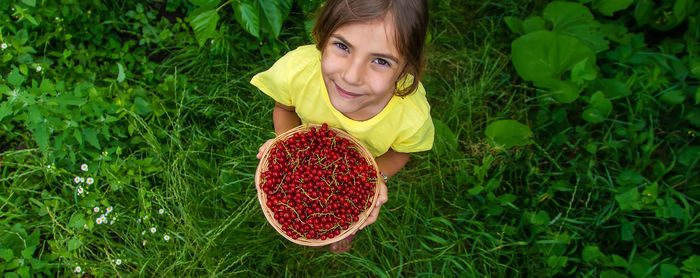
[{"x": 362, "y": 76}]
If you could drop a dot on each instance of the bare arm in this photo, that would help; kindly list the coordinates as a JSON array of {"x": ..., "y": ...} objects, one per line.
[
  {"x": 391, "y": 162},
  {"x": 284, "y": 118}
]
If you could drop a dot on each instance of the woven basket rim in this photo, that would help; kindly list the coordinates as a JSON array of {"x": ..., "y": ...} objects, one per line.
[{"x": 262, "y": 198}]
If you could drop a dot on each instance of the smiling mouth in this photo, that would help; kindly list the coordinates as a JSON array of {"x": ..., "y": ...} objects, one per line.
[{"x": 344, "y": 93}]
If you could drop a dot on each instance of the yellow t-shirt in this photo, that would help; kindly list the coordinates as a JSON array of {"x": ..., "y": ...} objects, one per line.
[{"x": 295, "y": 80}]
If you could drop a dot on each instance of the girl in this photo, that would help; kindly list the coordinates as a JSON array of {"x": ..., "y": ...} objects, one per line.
[{"x": 362, "y": 76}]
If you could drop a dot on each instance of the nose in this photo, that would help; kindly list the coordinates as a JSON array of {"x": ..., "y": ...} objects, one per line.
[{"x": 353, "y": 73}]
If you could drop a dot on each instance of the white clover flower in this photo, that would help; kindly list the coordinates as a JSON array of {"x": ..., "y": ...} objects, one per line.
[
  {"x": 98, "y": 221},
  {"x": 76, "y": 179},
  {"x": 78, "y": 269},
  {"x": 84, "y": 167},
  {"x": 153, "y": 229},
  {"x": 118, "y": 262},
  {"x": 89, "y": 180},
  {"x": 109, "y": 209},
  {"x": 80, "y": 190},
  {"x": 38, "y": 68},
  {"x": 3, "y": 45},
  {"x": 96, "y": 209},
  {"x": 161, "y": 211},
  {"x": 166, "y": 237}
]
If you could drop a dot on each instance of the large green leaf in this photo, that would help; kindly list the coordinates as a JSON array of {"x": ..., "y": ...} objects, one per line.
[
  {"x": 643, "y": 12},
  {"x": 248, "y": 16},
  {"x": 15, "y": 77},
  {"x": 514, "y": 24},
  {"x": 598, "y": 108},
  {"x": 629, "y": 200},
  {"x": 673, "y": 97},
  {"x": 533, "y": 23},
  {"x": 591, "y": 253},
  {"x": 41, "y": 135},
  {"x": 575, "y": 20},
  {"x": 445, "y": 139},
  {"x": 611, "y": 88},
  {"x": 543, "y": 56},
  {"x": 565, "y": 91},
  {"x": 203, "y": 22},
  {"x": 274, "y": 12},
  {"x": 508, "y": 133},
  {"x": 608, "y": 7}
]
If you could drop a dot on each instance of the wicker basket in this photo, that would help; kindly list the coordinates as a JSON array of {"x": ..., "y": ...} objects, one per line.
[{"x": 262, "y": 197}]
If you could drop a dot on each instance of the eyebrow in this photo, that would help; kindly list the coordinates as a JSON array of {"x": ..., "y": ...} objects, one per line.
[{"x": 381, "y": 55}]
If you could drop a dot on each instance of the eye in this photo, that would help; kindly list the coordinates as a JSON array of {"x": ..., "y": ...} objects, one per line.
[
  {"x": 382, "y": 62},
  {"x": 341, "y": 46}
]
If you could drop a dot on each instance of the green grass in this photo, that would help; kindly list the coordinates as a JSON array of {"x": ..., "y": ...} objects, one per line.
[{"x": 462, "y": 209}]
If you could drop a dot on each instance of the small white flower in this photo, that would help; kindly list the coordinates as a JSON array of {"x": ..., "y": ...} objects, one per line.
[
  {"x": 161, "y": 211},
  {"x": 38, "y": 68},
  {"x": 89, "y": 180},
  {"x": 144, "y": 243},
  {"x": 144, "y": 218},
  {"x": 153, "y": 229},
  {"x": 80, "y": 190},
  {"x": 96, "y": 209},
  {"x": 84, "y": 167},
  {"x": 48, "y": 166},
  {"x": 78, "y": 269},
  {"x": 98, "y": 221},
  {"x": 111, "y": 222},
  {"x": 166, "y": 237},
  {"x": 85, "y": 226},
  {"x": 57, "y": 18},
  {"x": 118, "y": 262},
  {"x": 114, "y": 219},
  {"x": 212, "y": 41},
  {"x": 76, "y": 179},
  {"x": 109, "y": 209},
  {"x": 82, "y": 179},
  {"x": 143, "y": 233},
  {"x": 3, "y": 45}
]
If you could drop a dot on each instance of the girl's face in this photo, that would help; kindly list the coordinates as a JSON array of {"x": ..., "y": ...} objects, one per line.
[{"x": 360, "y": 66}]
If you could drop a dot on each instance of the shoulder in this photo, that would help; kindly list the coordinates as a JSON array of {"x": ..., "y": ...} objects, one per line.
[
  {"x": 415, "y": 106},
  {"x": 302, "y": 56}
]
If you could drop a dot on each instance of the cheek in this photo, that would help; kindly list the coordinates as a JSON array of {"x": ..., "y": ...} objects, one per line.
[{"x": 383, "y": 85}]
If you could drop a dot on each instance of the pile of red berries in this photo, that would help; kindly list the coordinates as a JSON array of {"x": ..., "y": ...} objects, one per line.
[{"x": 317, "y": 183}]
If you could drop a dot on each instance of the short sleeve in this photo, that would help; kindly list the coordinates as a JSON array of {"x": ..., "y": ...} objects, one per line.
[
  {"x": 276, "y": 82},
  {"x": 421, "y": 139}
]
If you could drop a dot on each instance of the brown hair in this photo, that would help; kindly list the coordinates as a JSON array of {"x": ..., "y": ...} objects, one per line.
[{"x": 410, "y": 17}]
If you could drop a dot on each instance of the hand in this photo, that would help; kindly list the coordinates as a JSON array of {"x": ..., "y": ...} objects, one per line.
[
  {"x": 264, "y": 147},
  {"x": 383, "y": 197}
]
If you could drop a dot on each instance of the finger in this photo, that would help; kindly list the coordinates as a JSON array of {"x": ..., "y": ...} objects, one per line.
[
  {"x": 383, "y": 195},
  {"x": 371, "y": 218}
]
